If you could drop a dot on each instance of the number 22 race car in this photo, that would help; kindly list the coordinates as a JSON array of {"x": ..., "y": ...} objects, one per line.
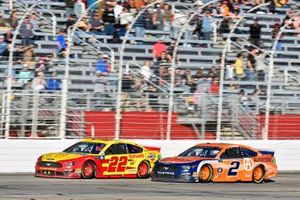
[
  {"x": 217, "y": 162},
  {"x": 100, "y": 159}
]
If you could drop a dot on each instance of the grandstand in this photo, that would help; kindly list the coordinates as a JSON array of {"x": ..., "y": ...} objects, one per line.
[{"x": 126, "y": 103}]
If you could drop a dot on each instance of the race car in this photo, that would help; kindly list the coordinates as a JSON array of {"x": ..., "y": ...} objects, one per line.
[
  {"x": 217, "y": 162},
  {"x": 100, "y": 159}
]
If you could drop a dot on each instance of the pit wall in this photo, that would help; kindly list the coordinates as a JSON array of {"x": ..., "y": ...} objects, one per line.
[{"x": 19, "y": 156}]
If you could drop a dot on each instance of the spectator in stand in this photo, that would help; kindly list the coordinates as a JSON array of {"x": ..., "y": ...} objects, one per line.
[
  {"x": 118, "y": 9},
  {"x": 125, "y": 19},
  {"x": 164, "y": 76},
  {"x": 261, "y": 67},
  {"x": 109, "y": 20},
  {"x": 275, "y": 31},
  {"x": 146, "y": 71},
  {"x": 225, "y": 9},
  {"x": 39, "y": 83},
  {"x": 214, "y": 86},
  {"x": 255, "y": 33},
  {"x": 8, "y": 36},
  {"x": 167, "y": 16},
  {"x": 3, "y": 48},
  {"x": 35, "y": 22},
  {"x": 190, "y": 27},
  {"x": 13, "y": 19},
  {"x": 71, "y": 20},
  {"x": 102, "y": 71},
  {"x": 179, "y": 20},
  {"x": 53, "y": 83},
  {"x": 24, "y": 75},
  {"x": 189, "y": 80},
  {"x": 79, "y": 8},
  {"x": 243, "y": 97},
  {"x": 157, "y": 49},
  {"x": 239, "y": 67},
  {"x": 207, "y": 26},
  {"x": 224, "y": 26},
  {"x": 69, "y": 7},
  {"x": 84, "y": 24},
  {"x": 97, "y": 25},
  {"x": 139, "y": 26},
  {"x": 178, "y": 80},
  {"x": 164, "y": 60},
  {"x": 26, "y": 32},
  {"x": 3, "y": 23},
  {"x": 157, "y": 18},
  {"x": 29, "y": 56},
  {"x": 127, "y": 88},
  {"x": 251, "y": 64},
  {"x": 62, "y": 44}
]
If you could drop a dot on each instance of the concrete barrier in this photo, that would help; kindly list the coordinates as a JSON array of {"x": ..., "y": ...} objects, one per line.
[{"x": 19, "y": 156}]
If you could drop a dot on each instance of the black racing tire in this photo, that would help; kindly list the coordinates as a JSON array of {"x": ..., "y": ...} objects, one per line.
[
  {"x": 205, "y": 174},
  {"x": 88, "y": 170},
  {"x": 258, "y": 174}
]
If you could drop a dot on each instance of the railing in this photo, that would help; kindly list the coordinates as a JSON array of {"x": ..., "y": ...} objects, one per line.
[
  {"x": 46, "y": 21},
  {"x": 94, "y": 43},
  {"x": 294, "y": 77},
  {"x": 36, "y": 115}
]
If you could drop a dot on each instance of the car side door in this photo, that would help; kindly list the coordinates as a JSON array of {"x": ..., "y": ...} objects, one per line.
[
  {"x": 136, "y": 155},
  {"x": 232, "y": 162},
  {"x": 116, "y": 158}
]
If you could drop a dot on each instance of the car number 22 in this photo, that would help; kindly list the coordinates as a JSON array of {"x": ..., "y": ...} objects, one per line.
[{"x": 117, "y": 164}]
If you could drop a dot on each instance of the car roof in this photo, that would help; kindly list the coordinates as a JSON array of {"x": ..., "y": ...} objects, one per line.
[
  {"x": 108, "y": 141},
  {"x": 222, "y": 145}
]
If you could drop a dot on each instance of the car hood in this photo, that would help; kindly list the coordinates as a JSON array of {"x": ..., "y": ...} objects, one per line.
[
  {"x": 61, "y": 156},
  {"x": 181, "y": 159}
]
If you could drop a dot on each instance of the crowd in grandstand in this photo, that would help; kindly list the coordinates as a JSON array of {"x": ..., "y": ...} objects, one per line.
[{"x": 113, "y": 18}]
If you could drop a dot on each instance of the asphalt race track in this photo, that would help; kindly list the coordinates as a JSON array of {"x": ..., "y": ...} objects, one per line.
[{"x": 25, "y": 186}]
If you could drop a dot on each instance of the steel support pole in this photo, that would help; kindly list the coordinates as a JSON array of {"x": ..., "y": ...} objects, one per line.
[
  {"x": 171, "y": 92},
  {"x": 65, "y": 83},
  {"x": 222, "y": 70},
  {"x": 121, "y": 63},
  {"x": 265, "y": 131},
  {"x": 10, "y": 69}
]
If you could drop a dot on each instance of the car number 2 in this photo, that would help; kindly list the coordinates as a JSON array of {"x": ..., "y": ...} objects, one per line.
[
  {"x": 233, "y": 170},
  {"x": 117, "y": 164}
]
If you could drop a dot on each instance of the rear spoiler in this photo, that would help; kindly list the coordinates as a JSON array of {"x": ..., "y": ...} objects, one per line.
[
  {"x": 153, "y": 148},
  {"x": 265, "y": 152}
]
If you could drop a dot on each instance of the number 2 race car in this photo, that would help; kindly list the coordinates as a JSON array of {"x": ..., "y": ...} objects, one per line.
[
  {"x": 217, "y": 162},
  {"x": 100, "y": 159}
]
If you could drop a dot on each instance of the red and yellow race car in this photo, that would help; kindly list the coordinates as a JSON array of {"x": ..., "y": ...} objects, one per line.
[
  {"x": 217, "y": 162},
  {"x": 100, "y": 159}
]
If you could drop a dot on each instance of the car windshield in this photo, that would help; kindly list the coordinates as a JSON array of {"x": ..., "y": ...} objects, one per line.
[
  {"x": 208, "y": 152},
  {"x": 86, "y": 148}
]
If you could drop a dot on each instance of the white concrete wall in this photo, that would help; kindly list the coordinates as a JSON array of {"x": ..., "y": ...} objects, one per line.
[{"x": 20, "y": 155}]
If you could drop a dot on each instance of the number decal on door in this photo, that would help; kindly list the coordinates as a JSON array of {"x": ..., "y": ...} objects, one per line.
[
  {"x": 234, "y": 169},
  {"x": 117, "y": 164}
]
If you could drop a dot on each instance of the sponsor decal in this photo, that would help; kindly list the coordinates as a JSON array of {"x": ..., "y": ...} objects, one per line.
[
  {"x": 262, "y": 159},
  {"x": 248, "y": 164},
  {"x": 101, "y": 157},
  {"x": 220, "y": 170},
  {"x": 151, "y": 156},
  {"x": 166, "y": 173},
  {"x": 136, "y": 156}
]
